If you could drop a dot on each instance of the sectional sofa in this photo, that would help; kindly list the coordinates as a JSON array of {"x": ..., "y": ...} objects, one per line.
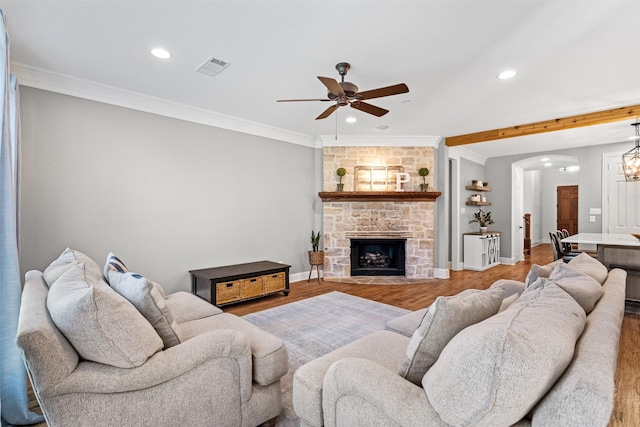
[{"x": 537, "y": 353}]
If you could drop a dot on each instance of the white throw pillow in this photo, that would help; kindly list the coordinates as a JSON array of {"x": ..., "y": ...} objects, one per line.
[
  {"x": 149, "y": 301},
  {"x": 443, "y": 320},
  {"x": 494, "y": 372},
  {"x": 100, "y": 324},
  {"x": 591, "y": 266},
  {"x": 67, "y": 259},
  {"x": 583, "y": 288}
]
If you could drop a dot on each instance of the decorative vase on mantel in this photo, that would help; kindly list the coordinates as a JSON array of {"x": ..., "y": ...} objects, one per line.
[
  {"x": 340, "y": 187},
  {"x": 424, "y": 187}
]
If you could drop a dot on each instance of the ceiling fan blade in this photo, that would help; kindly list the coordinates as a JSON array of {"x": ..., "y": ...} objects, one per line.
[
  {"x": 326, "y": 113},
  {"x": 299, "y": 100},
  {"x": 368, "y": 108},
  {"x": 332, "y": 85},
  {"x": 384, "y": 91}
]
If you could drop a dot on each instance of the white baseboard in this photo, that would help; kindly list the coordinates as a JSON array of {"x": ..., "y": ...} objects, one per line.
[
  {"x": 507, "y": 261},
  {"x": 441, "y": 273},
  {"x": 298, "y": 277}
]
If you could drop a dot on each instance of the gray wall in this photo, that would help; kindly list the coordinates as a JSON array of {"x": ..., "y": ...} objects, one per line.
[
  {"x": 498, "y": 173},
  {"x": 165, "y": 195}
]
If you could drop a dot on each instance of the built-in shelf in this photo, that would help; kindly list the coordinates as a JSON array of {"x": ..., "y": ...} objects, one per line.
[
  {"x": 469, "y": 203},
  {"x": 379, "y": 196},
  {"x": 478, "y": 187}
]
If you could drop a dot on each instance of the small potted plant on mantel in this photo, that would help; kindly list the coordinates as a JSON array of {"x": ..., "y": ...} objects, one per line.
[
  {"x": 423, "y": 172},
  {"x": 483, "y": 219},
  {"x": 341, "y": 172},
  {"x": 316, "y": 257}
]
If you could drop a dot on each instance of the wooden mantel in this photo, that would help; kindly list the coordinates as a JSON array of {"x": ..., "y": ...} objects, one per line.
[{"x": 379, "y": 196}]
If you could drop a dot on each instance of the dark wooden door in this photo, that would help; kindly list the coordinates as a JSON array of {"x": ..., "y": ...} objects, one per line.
[{"x": 567, "y": 203}]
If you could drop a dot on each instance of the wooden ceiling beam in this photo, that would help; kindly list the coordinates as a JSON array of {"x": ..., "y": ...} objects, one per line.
[{"x": 589, "y": 119}]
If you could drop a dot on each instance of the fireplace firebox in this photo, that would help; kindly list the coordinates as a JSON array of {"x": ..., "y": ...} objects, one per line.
[{"x": 378, "y": 257}]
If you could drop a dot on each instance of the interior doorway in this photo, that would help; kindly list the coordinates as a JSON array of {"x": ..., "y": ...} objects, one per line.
[{"x": 567, "y": 208}]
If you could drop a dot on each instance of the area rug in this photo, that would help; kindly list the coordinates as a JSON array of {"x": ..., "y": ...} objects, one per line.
[{"x": 313, "y": 327}]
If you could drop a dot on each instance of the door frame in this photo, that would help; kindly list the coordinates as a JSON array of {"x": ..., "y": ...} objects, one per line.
[{"x": 517, "y": 214}]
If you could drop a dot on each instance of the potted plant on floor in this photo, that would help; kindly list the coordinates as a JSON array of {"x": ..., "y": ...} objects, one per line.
[
  {"x": 423, "y": 172},
  {"x": 341, "y": 172},
  {"x": 316, "y": 256},
  {"x": 483, "y": 219}
]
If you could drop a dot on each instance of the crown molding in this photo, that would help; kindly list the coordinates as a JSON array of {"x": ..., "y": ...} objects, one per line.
[
  {"x": 54, "y": 82},
  {"x": 378, "y": 141},
  {"x": 461, "y": 152}
]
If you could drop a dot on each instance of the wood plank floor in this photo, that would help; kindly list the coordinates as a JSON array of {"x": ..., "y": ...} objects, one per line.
[{"x": 415, "y": 296}]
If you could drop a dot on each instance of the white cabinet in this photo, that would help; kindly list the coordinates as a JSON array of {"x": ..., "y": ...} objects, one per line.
[{"x": 481, "y": 251}]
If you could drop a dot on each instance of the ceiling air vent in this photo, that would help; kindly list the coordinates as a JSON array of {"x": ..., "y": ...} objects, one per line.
[{"x": 212, "y": 66}]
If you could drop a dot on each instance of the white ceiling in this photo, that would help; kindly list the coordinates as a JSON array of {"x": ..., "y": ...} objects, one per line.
[{"x": 572, "y": 57}]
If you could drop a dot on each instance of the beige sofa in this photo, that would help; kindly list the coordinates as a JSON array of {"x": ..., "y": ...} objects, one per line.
[
  {"x": 222, "y": 370},
  {"x": 541, "y": 360}
]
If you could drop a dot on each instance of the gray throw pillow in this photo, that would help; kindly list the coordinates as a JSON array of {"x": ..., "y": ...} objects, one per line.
[
  {"x": 583, "y": 288},
  {"x": 443, "y": 320},
  {"x": 100, "y": 324},
  {"x": 67, "y": 259},
  {"x": 590, "y": 266},
  {"x": 494, "y": 372}
]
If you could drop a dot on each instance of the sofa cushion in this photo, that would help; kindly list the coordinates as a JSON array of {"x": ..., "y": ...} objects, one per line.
[
  {"x": 68, "y": 259},
  {"x": 101, "y": 325},
  {"x": 538, "y": 271},
  {"x": 510, "y": 287},
  {"x": 506, "y": 302},
  {"x": 149, "y": 301},
  {"x": 443, "y": 320},
  {"x": 590, "y": 266},
  {"x": 493, "y": 373},
  {"x": 186, "y": 307},
  {"x": 583, "y": 288},
  {"x": 269, "y": 357},
  {"x": 406, "y": 324}
]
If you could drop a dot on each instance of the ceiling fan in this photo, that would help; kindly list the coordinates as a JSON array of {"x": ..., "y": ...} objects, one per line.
[{"x": 346, "y": 93}]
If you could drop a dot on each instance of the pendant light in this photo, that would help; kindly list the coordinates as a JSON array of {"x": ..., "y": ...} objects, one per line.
[{"x": 631, "y": 159}]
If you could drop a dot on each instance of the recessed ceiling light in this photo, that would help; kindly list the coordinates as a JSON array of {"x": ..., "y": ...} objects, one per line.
[
  {"x": 351, "y": 119},
  {"x": 158, "y": 52},
  {"x": 547, "y": 164},
  {"x": 507, "y": 74},
  {"x": 544, "y": 159}
]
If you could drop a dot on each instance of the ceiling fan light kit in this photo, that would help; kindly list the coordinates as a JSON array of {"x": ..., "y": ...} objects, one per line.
[
  {"x": 346, "y": 93},
  {"x": 631, "y": 159}
]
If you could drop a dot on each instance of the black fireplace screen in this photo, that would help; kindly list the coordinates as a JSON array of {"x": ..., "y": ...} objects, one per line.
[{"x": 378, "y": 257}]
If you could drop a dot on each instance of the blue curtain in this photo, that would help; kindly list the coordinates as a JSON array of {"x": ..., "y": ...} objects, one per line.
[{"x": 13, "y": 381}]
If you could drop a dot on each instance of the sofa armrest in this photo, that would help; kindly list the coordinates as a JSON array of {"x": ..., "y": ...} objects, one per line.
[
  {"x": 362, "y": 392},
  {"x": 216, "y": 348}
]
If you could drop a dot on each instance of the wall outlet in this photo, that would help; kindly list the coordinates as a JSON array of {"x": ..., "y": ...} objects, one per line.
[{"x": 592, "y": 218}]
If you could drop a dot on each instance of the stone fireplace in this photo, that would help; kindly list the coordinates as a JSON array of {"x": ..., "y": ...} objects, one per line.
[{"x": 350, "y": 215}]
